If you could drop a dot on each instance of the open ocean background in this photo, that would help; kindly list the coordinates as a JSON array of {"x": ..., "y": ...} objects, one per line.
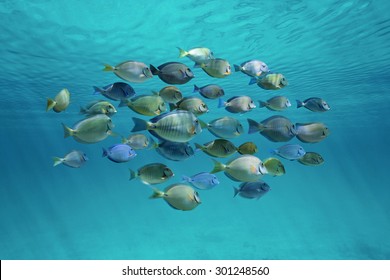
[{"x": 337, "y": 50}]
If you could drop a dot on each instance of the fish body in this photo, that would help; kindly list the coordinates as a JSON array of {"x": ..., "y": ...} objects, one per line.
[
  {"x": 252, "y": 190},
  {"x": 171, "y": 94},
  {"x": 210, "y": 91},
  {"x": 117, "y": 91},
  {"x": 225, "y": 127},
  {"x": 314, "y": 104},
  {"x": 272, "y": 81},
  {"x": 218, "y": 148},
  {"x": 245, "y": 168},
  {"x": 99, "y": 107},
  {"x": 289, "y": 151},
  {"x": 74, "y": 159},
  {"x": 175, "y": 151},
  {"x": 276, "y": 128},
  {"x": 119, "y": 153},
  {"x": 252, "y": 68},
  {"x": 90, "y": 130},
  {"x": 174, "y": 73},
  {"x": 176, "y": 126},
  {"x": 247, "y": 148},
  {"x": 132, "y": 71},
  {"x": 152, "y": 173},
  {"x": 312, "y": 132},
  {"x": 237, "y": 104},
  {"x": 198, "y": 55},
  {"x": 202, "y": 181},
  {"x": 179, "y": 197},
  {"x": 138, "y": 141},
  {"x": 216, "y": 68},
  {"x": 276, "y": 103},
  {"x": 274, "y": 167},
  {"x": 311, "y": 159},
  {"x": 194, "y": 105},
  {"x": 60, "y": 102},
  {"x": 147, "y": 105}
]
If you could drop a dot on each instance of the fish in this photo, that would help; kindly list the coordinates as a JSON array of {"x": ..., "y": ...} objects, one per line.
[
  {"x": 272, "y": 81},
  {"x": 276, "y": 103},
  {"x": 99, "y": 107},
  {"x": 176, "y": 126},
  {"x": 314, "y": 104},
  {"x": 198, "y": 55},
  {"x": 312, "y": 132},
  {"x": 194, "y": 105},
  {"x": 311, "y": 159},
  {"x": 117, "y": 91},
  {"x": 179, "y": 196},
  {"x": 218, "y": 148},
  {"x": 247, "y": 148},
  {"x": 152, "y": 173},
  {"x": 147, "y": 105},
  {"x": 252, "y": 190},
  {"x": 224, "y": 127},
  {"x": 252, "y": 68},
  {"x": 210, "y": 91},
  {"x": 289, "y": 151},
  {"x": 138, "y": 141},
  {"x": 237, "y": 104},
  {"x": 60, "y": 102},
  {"x": 174, "y": 151},
  {"x": 74, "y": 159},
  {"x": 245, "y": 168},
  {"x": 119, "y": 153},
  {"x": 130, "y": 70},
  {"x": 202, "y": 180},
  {"x": 275, "y": 128},
  {"x": 90, "y": 130},
  {"x": 171, "y": 94},
  {"x": 216, "y": 68},
  {"x": 174, "y": 73},
  {"x": 274, "y": 166}
]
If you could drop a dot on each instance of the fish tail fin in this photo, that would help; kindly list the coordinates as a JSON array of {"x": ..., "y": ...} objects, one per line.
[
  {"x": 57, "y": 161},
  {"x": 236, "y": 191},
  {"x": 272, "y": 151},
  {"x": 252, "y": 81},
  {"x": 139, "y": 124},
  {"x": 262, "y": 104},
  {"x": 83, "y": 110},
  {"x": 172, "y": 106},
  {"x": 185, "y": 178},
  {"x": 196, "y": 89},
  {"x": 218, "y": 166},
  {"x": 157, "y": 194},
  {"x": 108, "y": 68},
  {"x": 299, "y": 104},
  {"x": 154, "y": 70},
  {"x": 105, "y": 153},
  {"x": 198, "y": 147},
  {"x": 133, "y": 175},
  {"x": 198, "y": 65},
  {"x": 67, "y": 131},
  {"x": 97, "y": 90},
  {"x": 221, "y": 103},
  {"x": 254, "y": 126},
  {"x": 50, "y": 104},
  {"x": 237, "y": 68},
  {"x": 153, "y": 144},
  {"x": 123, "y": 103},
  {"x": 123, "y": 140},
  {"x": 182, "y": 53},
  {"x": 202, "y": 124}
]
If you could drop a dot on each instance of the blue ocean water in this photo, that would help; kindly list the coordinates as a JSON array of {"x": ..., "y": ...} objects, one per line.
[{"x": 338, "y": 50}]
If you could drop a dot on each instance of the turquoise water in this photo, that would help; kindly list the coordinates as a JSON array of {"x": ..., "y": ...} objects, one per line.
[{"x": 338, "y": 50}]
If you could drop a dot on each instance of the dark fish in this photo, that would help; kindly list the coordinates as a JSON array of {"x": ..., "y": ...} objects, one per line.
[
  {"x": 175, "y": 151},
  {"x": 173, "y": 73},
  {"x": 252, "y": 189},
  {"x": 210, "y": 91},
  {"x": 275, "y": 128},
  {"x": 116, "y": 91},
  {"x": 314, "y": 104}
]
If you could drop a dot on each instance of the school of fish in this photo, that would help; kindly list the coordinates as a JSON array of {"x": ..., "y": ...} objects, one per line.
[{"x": 173, "y": 120}]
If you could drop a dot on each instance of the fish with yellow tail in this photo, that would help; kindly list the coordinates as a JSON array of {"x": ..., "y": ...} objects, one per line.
[
  {"x": 60, "y": 102},
  {"x": 178, "y": 196}
]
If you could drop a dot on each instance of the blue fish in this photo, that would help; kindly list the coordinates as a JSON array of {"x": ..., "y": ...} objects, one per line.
[
  {"x": 202, "y": 181},
  {"x": 289, "y": 151},
  {"x": 117, "y": 91},
  {"x": 252, "y": 189},
  {"x": 174, "y": 150},
  {"x": 119, "y": 153}
]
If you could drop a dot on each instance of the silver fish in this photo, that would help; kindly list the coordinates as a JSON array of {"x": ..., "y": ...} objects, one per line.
[
  {"x": 276, "y": 103},
  {"x": 74, "y": 159},
  {"x": 312, "y": 132},
  {"x": 198, "y": 55},
  {"x": 253, "y": 68},
  {"x": 289, "y": 151},
  {"x": 272, "y": 81},
  {"x": 60, "y": 102},
  {"x": 179, "y": 197},
  {"x": 276, "y": 128},
  {"x": 171, "y": 94},
  {"x": 152, "y": 173},
  {"x": 132, "y": 71},
  {"x": 210, "y": 91},
  {"x": 147, "y": 105},
  {"x": 314, "y": 104},
  {"x": 216, "y": 68},
  {"x": 225, "y": 127},
  {"x": 194, "y": 105},
  {"x": 218, "y": 148},
  {"x": 98, "y": 107},
  {"x": 237, "y": 104}
]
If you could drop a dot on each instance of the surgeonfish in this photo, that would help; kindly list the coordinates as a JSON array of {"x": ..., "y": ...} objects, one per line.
[
  {"x": 311, "y": 159},
  {"x": 224, "y": 127},
  {"x": 276, "y": 103},
  {"x": 312, "y": 132},
  {"x": 179, "y": 196},
  {"x": 132, "y": 71},
  {"x": 171, "y": 94},
  {"x": 174, "y": 73},
  {"x": 119, "y": 153},
  {"x": 174, "y": 150},
  {"x": 216, "y": 68},
  {"x": 252, "y": 68},
  {"x": 60, "y": 102},
  {"x": 117, "y": 91},
  {"x": 138, "y": 141},
  {"x": 314, "y": 104},
  {"x": 237, "y": 104},
  {"x": 147, "y": 105},
  {"x": 98, "y": 107},
  {"x": 194, "y": 105},
  {"x": 274, "y": 166},
  {"x": 152, "y": 173},
  {"x": 218, "y": 148},
  {"x": 252, "y": 190},
  {"x": 289, "y": 151},
  {"x": 272, "y": 81},
  {"x": 210, "y": 91},
  {"x": 198, "y": 55},
  {"x": 247, "y": 148},
  {"x": 74, "y": 159},
  {"x": 275, "y": 128},
  {"x": 202, "y": 180}
]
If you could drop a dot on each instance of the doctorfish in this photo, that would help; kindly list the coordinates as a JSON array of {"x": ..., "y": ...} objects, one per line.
[
  {"x": 179, "y": 196},
  {"x": 60, "y": 102},
  {"x": 174, "y": 73},
  {"x": 132, "y": 71},
  {"x": 152, "y": 173},
  {"x": 276, "y": 128}
]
